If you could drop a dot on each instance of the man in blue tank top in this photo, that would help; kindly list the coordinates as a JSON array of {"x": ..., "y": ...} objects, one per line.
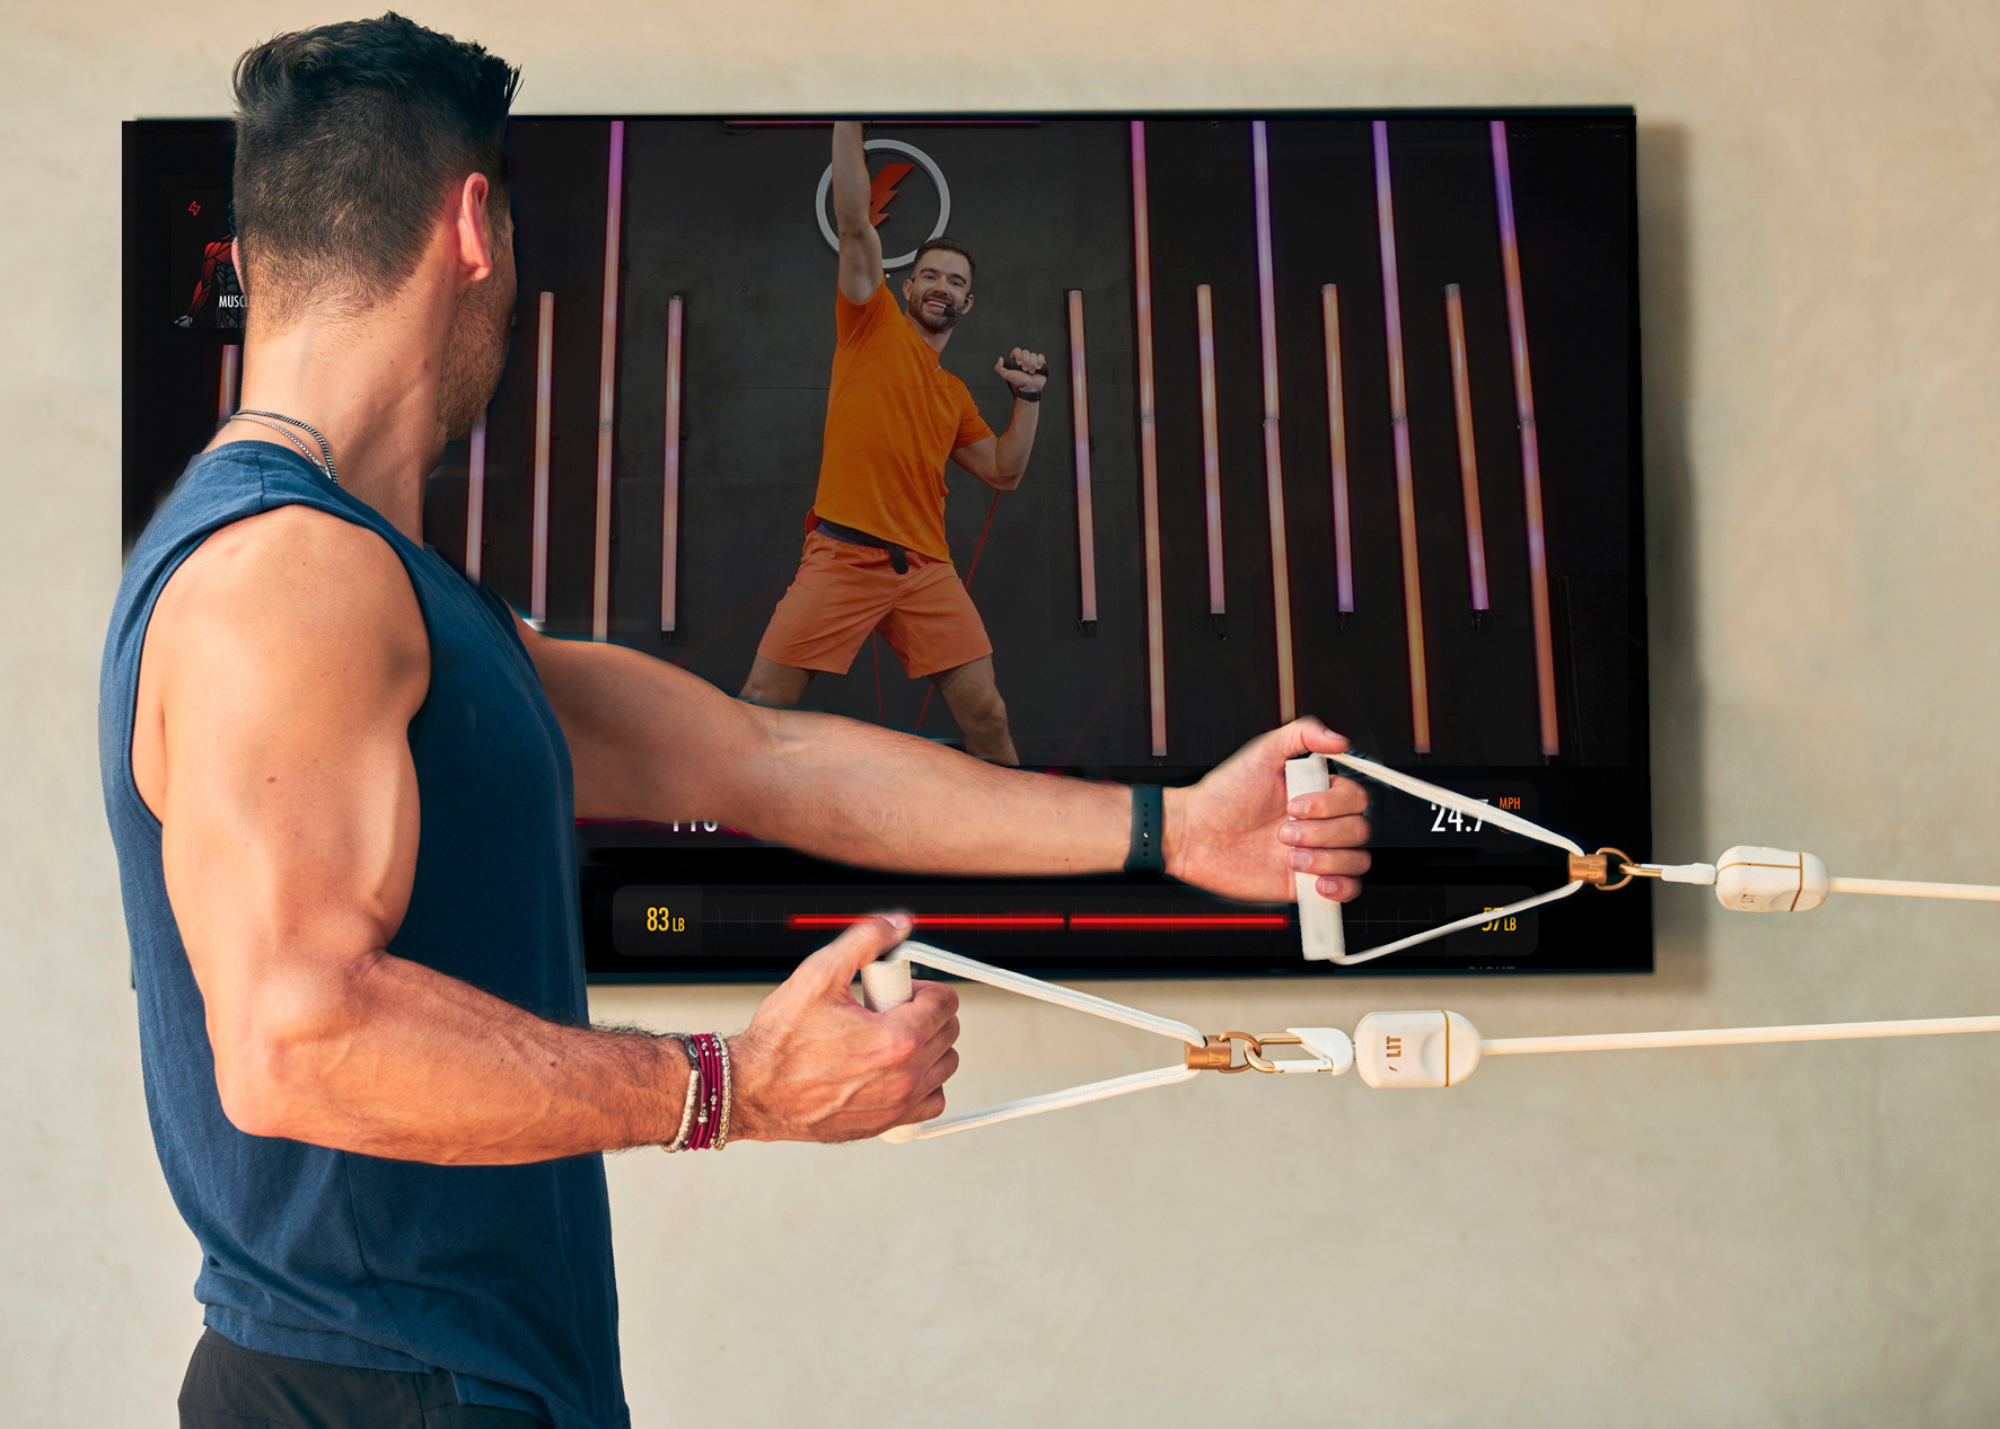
[{"x": 342, "y": 782}]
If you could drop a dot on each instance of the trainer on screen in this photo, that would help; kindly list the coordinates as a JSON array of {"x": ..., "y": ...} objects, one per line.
[
  {"x": 875, "y": 555},
  {"x": 342, "y": 781}
]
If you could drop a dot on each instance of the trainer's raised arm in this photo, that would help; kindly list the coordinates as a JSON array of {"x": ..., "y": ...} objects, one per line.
[{"x": 860, "y": 244}]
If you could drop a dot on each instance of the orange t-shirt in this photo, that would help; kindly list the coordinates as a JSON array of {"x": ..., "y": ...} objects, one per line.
[{"x": 893, "y": 417}]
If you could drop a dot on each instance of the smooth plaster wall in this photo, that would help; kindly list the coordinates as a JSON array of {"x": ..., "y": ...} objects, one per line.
[{"x": 1747, "y": 1237}]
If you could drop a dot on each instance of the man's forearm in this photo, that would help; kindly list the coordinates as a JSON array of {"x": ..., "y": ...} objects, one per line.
[
  {"x": 848, "y": 791},
  {"x": 397, "y": 1060},
  {"x": 1011, "y": 452},
  {"x": 850, "y": 178}
]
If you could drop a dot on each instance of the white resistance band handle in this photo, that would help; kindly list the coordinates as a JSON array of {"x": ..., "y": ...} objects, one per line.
[
  {"x": 1320, "y": 931},
  {"x": 885, "y": 983}
]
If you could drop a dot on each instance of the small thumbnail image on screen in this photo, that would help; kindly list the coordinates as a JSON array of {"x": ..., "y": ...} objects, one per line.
[{"x": 203, "y": 288}]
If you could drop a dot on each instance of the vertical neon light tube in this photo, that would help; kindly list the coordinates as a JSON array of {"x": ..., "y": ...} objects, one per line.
[
  {"x": 1149, "y": 456},
  {"x": 475, "y": 502},
  {"x": 670, "y": 504},
  {"x": 1336, "y": 430},
  {"x": 1274, "y": 471},
  {"x": 232, "y": 367},
  {"x": 1086, "y": 521},
  {"x": 1468, "y": 456},
  {"x": 1211, "y": 444},
  {"x": 1399, "y": 420},
  {"x": 545, "y": 347},
  {"x": 1531, "y": 456},
  {"x": 607, "y": 387}
]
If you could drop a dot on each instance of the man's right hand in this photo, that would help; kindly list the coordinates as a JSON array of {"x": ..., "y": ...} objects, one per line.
[{"x": 815, "y": 1065}]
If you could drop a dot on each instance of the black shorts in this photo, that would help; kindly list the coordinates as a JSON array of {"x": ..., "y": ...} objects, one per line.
[{"x": 229, "y": 1387}]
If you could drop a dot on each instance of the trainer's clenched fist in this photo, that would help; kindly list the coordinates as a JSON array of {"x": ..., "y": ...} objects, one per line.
[
  {"x": 815, "y": 1065},
  {"x": 1023, "y": 370}
]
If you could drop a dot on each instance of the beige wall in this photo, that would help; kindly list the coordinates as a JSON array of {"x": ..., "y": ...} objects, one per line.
[{"x": 1750, "y": 1237}]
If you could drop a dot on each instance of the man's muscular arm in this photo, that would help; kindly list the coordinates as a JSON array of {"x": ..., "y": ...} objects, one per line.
[
  {"x": 860, "y": 244},
  {"x": 283, "y": 664},
  {"x": 651, "y": 741},
  {"x": 1002, "y": 461}
]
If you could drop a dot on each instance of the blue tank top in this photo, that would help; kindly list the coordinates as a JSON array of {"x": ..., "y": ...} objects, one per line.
[{"x": 500, "y": 1275}]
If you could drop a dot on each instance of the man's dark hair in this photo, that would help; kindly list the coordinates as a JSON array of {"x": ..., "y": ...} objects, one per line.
[
  {"x": 347, "y": 137},
  {"x": 949, "y": 245}
]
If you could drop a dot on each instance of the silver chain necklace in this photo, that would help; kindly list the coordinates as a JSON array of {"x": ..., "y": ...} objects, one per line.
[{"x": 252, "y": 414}]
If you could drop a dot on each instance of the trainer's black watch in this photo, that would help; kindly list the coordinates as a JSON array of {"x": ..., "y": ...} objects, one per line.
[{"x": 1024, "y": 396}]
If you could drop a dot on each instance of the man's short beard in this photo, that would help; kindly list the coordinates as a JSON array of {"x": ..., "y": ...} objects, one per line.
[
  {"x": 475, "y": 354},
  {"x": 952, "y": 313}
]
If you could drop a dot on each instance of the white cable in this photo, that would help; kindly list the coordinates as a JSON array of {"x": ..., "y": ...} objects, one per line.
[
  {"x": 1438, "y": 794},
  {"x": 1737, "y": 1036},
  {"x": 1027, "y": 986},
  {"x": 1049, "y": 1101},
  {"x": 1335, "y": 950},
  {"x": 1904, "y": 888},
  {"x": 1476, "y": 920}
]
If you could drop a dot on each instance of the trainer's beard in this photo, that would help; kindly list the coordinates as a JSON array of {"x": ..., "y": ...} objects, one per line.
[
  {"x": 941, "y": 322},
  {"x": 475, "y": 354}
]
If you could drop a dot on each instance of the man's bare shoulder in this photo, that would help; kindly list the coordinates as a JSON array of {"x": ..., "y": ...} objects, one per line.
[{"x": 298, "y": 584}]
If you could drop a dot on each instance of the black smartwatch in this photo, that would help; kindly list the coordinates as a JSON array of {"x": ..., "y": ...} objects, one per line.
[{"x": 1147, "y": 854}]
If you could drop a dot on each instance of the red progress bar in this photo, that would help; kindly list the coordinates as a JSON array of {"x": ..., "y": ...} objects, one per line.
[
  {"x": 1171, "y": 921},
  {"x": 806, "y": 921}
]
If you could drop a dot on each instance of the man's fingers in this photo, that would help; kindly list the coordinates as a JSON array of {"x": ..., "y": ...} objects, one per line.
[
  {"x": 1339, "y": 798},
  {"x": 1352, "y": 862},
  {"x": 837, "y": 964},
  {"x": 1340, "y": 890},
  {"x": 932, "y": 1007},
  {"x": 928, "y": 1109},
  {"x": 1348, "y": 831}
]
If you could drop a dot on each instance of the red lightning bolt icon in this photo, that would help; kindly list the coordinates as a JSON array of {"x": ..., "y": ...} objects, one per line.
[{"x": 884, "y": 189}]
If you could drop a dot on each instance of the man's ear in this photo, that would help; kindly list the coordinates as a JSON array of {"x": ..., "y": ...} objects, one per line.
[{"x": 471, "y": 233}]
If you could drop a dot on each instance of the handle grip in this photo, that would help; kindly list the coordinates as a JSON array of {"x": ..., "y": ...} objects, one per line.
[
  {"x": 1320, "y": 934},
  {"x": 885, "y": 983},
  {"x": 1011, "y": 365}
]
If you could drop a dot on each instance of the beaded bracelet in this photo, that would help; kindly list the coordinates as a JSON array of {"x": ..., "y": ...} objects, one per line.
[
  {"x": 680, "y": 1141},
  {"x": 705, "y": 1111}
]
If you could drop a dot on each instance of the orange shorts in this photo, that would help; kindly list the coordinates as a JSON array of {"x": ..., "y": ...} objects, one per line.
[{"x": 844, "y": 591}]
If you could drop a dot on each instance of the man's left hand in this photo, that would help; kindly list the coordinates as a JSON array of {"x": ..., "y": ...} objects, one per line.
[
  {"x": 1238, "y": 834},
  {"x": 1033, "y": 374}
]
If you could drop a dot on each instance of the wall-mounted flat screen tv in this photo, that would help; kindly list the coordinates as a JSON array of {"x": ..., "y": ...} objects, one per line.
[{"x": 1342, "y": 419}]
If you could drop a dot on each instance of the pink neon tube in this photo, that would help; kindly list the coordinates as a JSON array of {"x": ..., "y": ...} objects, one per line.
[
  {"x": 1211, "y": 444},
  {"x": 670, "y": 505},
  {"x": 1399, "y": 419},
  {"x": 607, "y": 387},
  {"x": 1086, "y": 521},
  {"x": 545, "y": 344},
  {"x": 475, "y": 502},
  {"x": 1336, "y": 428},
  {"x": 1468, "y": 456},
  {"x": 1274, "y": 471},
  {"x": 1531, "y": 456},
  {"x": 1149, "y": 459},
  {"x": 225, "y": 399}
]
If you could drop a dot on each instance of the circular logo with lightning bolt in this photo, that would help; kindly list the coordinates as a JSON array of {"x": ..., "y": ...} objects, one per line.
[{"x": 883, "y": 190}]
